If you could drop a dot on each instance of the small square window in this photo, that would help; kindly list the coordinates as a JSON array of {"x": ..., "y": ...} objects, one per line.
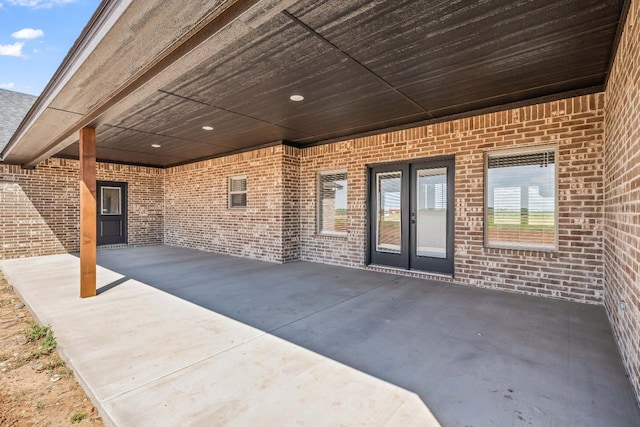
[
  {"x": 332, "y": 203},
  {"x": 520, "y": 199},
  {"x": 238, "y": 192}
]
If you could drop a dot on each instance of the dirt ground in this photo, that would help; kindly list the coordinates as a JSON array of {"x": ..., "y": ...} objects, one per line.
[{"x": 36, "y": 387}]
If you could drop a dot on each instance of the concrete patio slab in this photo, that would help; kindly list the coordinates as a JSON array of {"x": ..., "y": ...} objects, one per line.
[{"x": 179, "y": 337}]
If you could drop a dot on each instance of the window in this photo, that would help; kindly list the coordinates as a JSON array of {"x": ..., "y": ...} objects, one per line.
[
  {"x": 332, "y": 203},
  {"x": 238, "y": 192},
  {"x": 520, "y": 199},
  {"x": 110, "y": 200}
]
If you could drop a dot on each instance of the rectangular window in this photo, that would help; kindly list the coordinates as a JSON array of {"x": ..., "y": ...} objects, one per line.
[
  {"x": 110, "y": 200},
  {"x": 520, "y": 199},
  {"x": 332, "y": 203},
  {"x": 389, "y": 212},
  {"x": 238, "y": 192}
]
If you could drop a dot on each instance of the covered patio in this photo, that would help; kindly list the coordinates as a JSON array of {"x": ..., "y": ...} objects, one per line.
[{"x": 184, "y": 337}]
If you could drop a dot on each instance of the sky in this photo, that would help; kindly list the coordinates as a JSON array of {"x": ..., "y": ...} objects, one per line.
[
  {"x": 519, "y": 187},
  {"x": 35, "y": 36}
]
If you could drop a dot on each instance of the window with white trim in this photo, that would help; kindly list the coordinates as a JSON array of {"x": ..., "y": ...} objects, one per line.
[
  {"x": 520, "y": 198},
  {"x": 238, "y": 192},
  {"x": 332, "y": 203}
]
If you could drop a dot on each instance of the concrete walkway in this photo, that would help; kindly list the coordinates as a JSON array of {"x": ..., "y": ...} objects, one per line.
[{"x": 178, "y": 337}]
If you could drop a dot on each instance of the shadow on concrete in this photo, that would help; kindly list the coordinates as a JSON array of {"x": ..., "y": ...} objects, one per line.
[
  {"x": 475, "y": 356},
  {"x": 111, "y": 285}
]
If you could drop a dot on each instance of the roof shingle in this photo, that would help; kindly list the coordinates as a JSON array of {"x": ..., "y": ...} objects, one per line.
[{"x": 13, "y": 107}]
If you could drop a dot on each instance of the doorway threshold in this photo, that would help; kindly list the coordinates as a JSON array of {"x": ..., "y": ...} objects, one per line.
[{"x": 419, "y": 274}]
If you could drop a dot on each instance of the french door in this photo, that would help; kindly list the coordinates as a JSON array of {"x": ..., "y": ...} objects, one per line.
[{"x": 411, "y": 215}]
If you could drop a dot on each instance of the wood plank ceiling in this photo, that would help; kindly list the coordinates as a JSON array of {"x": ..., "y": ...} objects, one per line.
[{"x": 365, "y": 65}]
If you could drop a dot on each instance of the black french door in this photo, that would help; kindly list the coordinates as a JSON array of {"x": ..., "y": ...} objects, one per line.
[{"x": 411, "y": 215}]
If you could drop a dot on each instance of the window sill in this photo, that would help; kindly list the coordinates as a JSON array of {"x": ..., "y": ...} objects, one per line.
[
  {"x": 335, "y": 235},
  {"x": 545, "y": 249}
]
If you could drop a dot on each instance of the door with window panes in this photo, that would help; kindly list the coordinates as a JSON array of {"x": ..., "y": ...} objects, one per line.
[
  {"x": 411, "y": 215},
  {"x": 112, "y": 212}
]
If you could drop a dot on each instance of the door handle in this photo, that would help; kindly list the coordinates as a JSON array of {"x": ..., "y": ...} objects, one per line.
[{"x": 413, "y": 221}]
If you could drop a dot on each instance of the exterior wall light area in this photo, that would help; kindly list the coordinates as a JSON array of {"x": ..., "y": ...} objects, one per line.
[
  {"x": 296, "y": 98},
  {"x": 207, "y": 127},
  {"x": 156, "y": 145}
]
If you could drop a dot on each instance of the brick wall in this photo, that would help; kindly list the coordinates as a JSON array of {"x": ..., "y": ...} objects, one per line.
[
  {"x": 39, "y": 208},
  {"x": 145, "y": 193},
  {"x": 573, "y": 273},
  {"x": 279, "y": 222},
  {"x": 197, "y": 213},
  {"x": 622, "y": 196},
  {"x": 291, "y": 204}
]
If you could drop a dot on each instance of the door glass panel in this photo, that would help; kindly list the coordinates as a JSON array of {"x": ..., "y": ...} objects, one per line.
[
  {"x": 431, "y": 213},
  {"x": 110, "y": 201},
  {"x": 389, "y": 215}
]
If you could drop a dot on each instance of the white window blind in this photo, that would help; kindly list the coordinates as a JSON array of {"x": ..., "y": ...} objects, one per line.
[
  {"x": 238, "y": 192},
  {"x": 520, "y": 208},
  {"x": 332, "y": 203}
]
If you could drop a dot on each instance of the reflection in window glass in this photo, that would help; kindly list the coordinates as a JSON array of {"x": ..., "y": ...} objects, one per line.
[
  {"x": 521, "y": 201},
  {"x": 431, "y": 215},
  {"x": 110, "y": 201},
  {"x": 332, "y": 203},
  {"x": 389, "y": 212},
  {"x": 238, "y": 192}
]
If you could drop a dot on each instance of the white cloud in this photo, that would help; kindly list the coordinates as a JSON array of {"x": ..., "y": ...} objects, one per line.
[
  {"x": 7, "y": 85},
  {"x": 27, "y": 34},
  {"x": 39, "y": 4},
  {"x": 11, "y": 49}
]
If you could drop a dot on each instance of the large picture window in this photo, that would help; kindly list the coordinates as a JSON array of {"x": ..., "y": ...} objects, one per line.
[
  {"x": 332, "y": 203},
  {"x": 520, "y": 199}
]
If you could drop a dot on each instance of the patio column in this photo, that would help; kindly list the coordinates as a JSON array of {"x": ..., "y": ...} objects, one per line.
[{"x": 88, "y": 229}]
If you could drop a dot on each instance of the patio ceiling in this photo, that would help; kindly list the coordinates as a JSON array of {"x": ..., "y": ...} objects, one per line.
[{"x": 159, "y": 73}]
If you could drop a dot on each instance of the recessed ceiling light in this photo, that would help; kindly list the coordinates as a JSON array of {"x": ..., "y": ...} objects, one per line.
[
  {"x": 156, "y": 145},
  {"x": 296, "y": 98},
  {"x": 207, "y": 127}
]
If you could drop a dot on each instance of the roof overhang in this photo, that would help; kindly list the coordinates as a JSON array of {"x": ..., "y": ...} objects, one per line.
[{"x": 146, "y": 73}]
